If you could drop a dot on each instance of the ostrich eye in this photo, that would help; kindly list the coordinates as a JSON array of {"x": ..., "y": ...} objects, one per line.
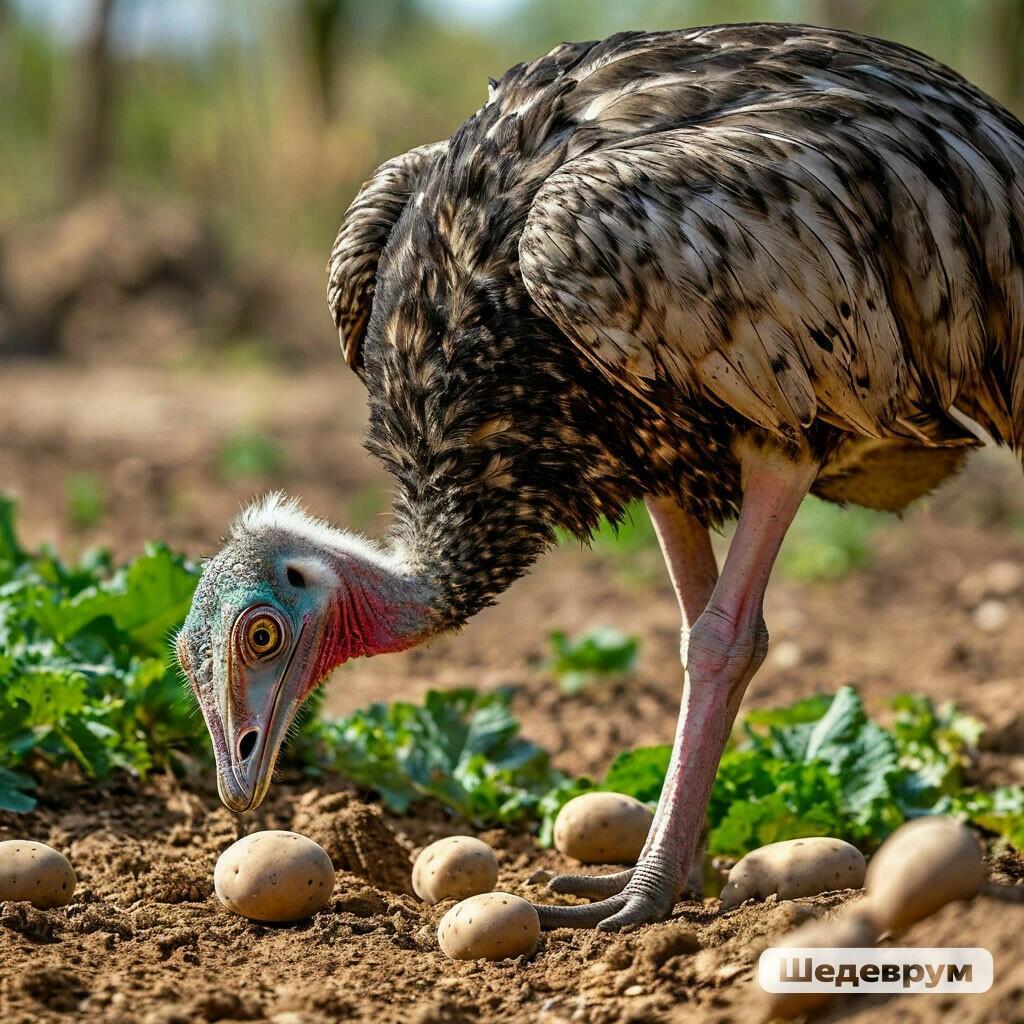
[
  {"x": 263, "y": 636},
  {"x": 295, "y": 578}
]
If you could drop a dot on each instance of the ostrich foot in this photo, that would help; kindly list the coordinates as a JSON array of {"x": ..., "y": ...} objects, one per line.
[
  {"x": 591, "y": 887},
  {"x": 648, "y": 893}
]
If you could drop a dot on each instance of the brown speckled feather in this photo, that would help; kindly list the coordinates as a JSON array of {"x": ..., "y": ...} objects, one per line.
[
  {"x": 353, "y": 265},
  {"x": 642, "y": 249},
  {"x": 832, "y": 230}
]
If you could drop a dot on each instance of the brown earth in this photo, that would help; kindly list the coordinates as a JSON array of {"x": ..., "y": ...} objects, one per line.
[{"x": 937, "y": 612}]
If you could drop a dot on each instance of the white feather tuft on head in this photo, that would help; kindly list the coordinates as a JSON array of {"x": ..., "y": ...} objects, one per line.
[{"x": 278, "y": 513}]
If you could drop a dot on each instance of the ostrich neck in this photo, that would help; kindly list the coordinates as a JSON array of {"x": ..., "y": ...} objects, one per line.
[
  {"x": 461, "y": 558},
  {"x": 381, "y": 605}
]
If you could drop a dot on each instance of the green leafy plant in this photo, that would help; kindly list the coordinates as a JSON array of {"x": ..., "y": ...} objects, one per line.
[
  {"x": 84, "y": 668},
  {"x": 460, "y": 747},
  {"x": 822, "y": 767},
  {"x": 794, "y": 775},
  {"x": 599, "y": 653},
  {"x": 86, "y": 680},
  {"x": 1000, "y": 812}
]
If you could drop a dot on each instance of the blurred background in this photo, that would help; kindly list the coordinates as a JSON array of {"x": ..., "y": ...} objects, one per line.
[{"x": 173, "y": 175}]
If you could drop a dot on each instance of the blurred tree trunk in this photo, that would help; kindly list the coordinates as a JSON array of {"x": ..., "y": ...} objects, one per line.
[
  {"x": 1006, "y": 24},
  {"x": 322, "y": 21},
  {"x": 88, "y": 139},
  {"x": 330, "y": 30}
]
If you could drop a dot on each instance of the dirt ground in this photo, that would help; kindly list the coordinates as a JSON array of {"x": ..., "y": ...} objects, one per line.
[{"x": 937, "y": 612}]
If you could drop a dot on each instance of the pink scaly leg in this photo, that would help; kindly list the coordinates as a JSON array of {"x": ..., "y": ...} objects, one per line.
[
  {"x": 723, "y": 650},
  {"x": 686, "y": 546}
]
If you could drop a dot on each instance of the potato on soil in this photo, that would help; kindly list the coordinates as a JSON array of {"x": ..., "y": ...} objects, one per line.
[
  {"x": 603, "y": 828},
  {"x": 792, "y": 868},
  {"x": 921, "y": 867},
  {"x": 274, "y": 876},
  {"x": 491, "y": 926},
  {"x": 36, "y": 873},
  {"x": 454, "y": 868}
]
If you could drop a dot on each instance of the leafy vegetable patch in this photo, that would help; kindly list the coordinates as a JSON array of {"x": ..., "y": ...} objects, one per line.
[
  {"x": 85, "y": 671},
  {"x": 87, "y": 679}
]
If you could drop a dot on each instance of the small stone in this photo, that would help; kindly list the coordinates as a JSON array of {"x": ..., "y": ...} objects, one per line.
[
  {"x": 634, "y": 990},
  {"x": 991, "y": 616},
  {"x": 785, "y": 656},
  {"x": 1004, "y": 578},
  {"x": 998, "y": 579}
]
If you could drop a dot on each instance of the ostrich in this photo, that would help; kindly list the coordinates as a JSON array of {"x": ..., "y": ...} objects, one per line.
[{"x": 714, "y": 269}]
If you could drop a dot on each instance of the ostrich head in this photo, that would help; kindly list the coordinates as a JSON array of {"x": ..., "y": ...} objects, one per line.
[{"x": 285, "y": 601}]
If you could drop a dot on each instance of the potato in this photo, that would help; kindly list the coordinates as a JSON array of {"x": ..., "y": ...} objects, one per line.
[
  {"x": 490, "y": 926},
  {"x": 274, "y": 876},
  {"x": 922, "y": 866},
  {"x": 794, "y": 867},
  {"x": 36, "y": 873},
  {"x": 851, "y": 929},
  {"x": 603, "y": 828},
  {"x": 454, "y": 868}
]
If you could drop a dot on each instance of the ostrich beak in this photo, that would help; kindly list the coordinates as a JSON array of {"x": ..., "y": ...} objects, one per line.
[
  {"x": 261, "y": 702},
  {"x": 248, "y": 710}
]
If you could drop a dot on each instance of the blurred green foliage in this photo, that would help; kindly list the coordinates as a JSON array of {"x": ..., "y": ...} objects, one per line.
[
  {"x": 598, "y": 654},
  {"x": 86, "y": 501},
  {"x": 249, "y": 456},
  {"x": 827, "y": 541}
]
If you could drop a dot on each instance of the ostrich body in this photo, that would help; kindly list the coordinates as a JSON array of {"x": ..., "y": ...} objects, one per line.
[{"x": 714, "y": 269}]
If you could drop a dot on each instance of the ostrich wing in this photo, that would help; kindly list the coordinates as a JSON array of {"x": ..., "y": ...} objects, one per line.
[
  {"x": 361, "y": 239},
  {"x": 724, "y": 263}
]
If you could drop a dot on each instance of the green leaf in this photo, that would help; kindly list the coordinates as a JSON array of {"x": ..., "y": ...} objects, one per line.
[
  {"x": 11, "y": 555},
  {"x": 810, "y": 709},
  {"x": 1000, "y": 812},
  {"x": 85, "y": 743},
  {"x": 639, "y": 773},
  {"x": 50, "y": 695},
  {"x": 15, "y": 790},
  {"x": 147, "y": 600}
]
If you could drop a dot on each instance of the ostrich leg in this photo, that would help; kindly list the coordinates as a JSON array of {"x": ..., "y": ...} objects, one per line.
[
  {"x": 724, "y": 648},
  {"x": 686, "y": 546}
]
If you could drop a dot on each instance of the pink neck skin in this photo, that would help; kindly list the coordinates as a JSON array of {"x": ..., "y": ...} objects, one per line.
[{"x": 372, "y": 611}]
